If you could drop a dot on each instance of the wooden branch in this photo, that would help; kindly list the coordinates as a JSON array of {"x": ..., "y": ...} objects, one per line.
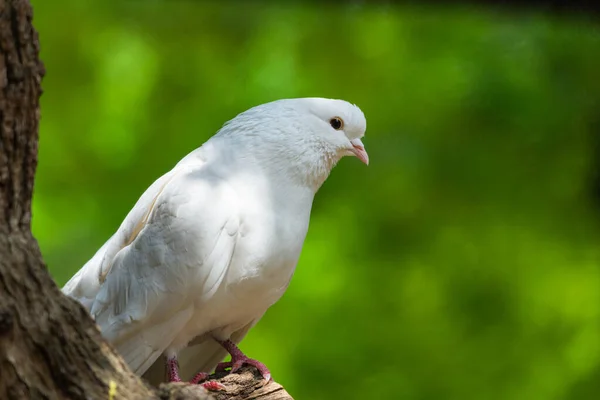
[{"x": 244, "y": 384}]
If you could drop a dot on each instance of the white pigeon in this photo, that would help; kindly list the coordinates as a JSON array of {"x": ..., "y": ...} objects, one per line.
[{"x": 214, "y": 242}]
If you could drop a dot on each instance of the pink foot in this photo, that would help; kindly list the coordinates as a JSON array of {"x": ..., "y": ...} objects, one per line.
[
  {"x": 238, "y": 359},
  {"x": 199, "y": 377},
  {"x": 173, "y": 370},
  {"x": 213, "y": 386}
]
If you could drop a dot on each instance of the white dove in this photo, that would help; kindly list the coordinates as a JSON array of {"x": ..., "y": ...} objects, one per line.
[{"x": 214, "y": 242}]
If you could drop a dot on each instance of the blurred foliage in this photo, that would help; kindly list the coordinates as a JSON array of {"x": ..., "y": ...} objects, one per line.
[{"x": 463, "y": 263}]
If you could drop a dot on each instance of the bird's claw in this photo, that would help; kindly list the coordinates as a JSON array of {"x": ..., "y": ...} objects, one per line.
[
  {"x": 235, "y": 365},
  {"x": 222, "y": 366},
  {"x": 199, "y": 377},
  {"x": 213, "y": 386}
]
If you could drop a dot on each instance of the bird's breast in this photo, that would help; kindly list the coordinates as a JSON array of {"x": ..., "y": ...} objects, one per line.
[
  {"x": 266, "y": 257},
  {"x": 260, "y": 271},
  {"x": 270, "y": 233}
]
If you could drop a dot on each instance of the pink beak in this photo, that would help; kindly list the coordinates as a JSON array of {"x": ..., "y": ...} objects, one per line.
[{"x": 358, "y": 148}]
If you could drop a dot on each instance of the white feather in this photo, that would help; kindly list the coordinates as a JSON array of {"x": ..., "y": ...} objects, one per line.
[{"x": 213, "y": 243}]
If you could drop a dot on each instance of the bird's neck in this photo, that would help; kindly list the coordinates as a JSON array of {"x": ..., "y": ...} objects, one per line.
[
  {"x": 308, "y": 168},
  {"x": 305, "y": 161}
]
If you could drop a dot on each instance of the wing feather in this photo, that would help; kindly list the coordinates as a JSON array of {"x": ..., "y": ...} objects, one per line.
[
  {"x": 85, "y": 284},
  {"x": 170, "y": 254}
]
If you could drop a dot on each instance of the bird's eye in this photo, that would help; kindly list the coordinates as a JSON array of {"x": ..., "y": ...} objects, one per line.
[{"x": 336, "y": 123}]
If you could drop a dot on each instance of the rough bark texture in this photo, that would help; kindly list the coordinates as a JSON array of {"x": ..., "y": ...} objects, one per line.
[
  {"x": 49, "y": 346},
  {"x": 244, "y": 384}
]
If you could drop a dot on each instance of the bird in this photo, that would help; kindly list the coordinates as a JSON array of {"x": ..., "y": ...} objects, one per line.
[{"x": 214, "y": 242}]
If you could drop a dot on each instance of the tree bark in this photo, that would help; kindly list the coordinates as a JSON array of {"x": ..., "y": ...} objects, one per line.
[
  {"x": 244, "y": 384},
  {"x": 49, "y": 346}
]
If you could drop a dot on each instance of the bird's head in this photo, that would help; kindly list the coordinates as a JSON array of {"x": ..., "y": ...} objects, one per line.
[
  {"x": 336, "y": 124},
  {"x": 305, "y": 136}
]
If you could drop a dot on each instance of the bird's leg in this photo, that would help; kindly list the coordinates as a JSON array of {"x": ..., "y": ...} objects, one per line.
[
  {"x": 238, "y": 359},
  {"x": 173, "y": 369},
  {"x": 173, "y": 372}
]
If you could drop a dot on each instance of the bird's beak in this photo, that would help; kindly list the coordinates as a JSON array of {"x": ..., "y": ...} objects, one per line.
[{"x": 358, "y": 149}]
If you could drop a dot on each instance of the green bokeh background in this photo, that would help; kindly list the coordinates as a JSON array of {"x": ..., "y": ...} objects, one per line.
[{"x": 462, "y": 263}]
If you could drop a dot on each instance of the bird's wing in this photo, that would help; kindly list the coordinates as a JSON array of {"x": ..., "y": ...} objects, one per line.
[
  {"x": 197, "y": 357},
  {"x": 179, "y": 255},
  {"x": 85, "y": 284}
]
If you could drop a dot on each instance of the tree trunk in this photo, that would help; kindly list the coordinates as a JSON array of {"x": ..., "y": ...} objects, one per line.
[{"x": 49, "y": 346}]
